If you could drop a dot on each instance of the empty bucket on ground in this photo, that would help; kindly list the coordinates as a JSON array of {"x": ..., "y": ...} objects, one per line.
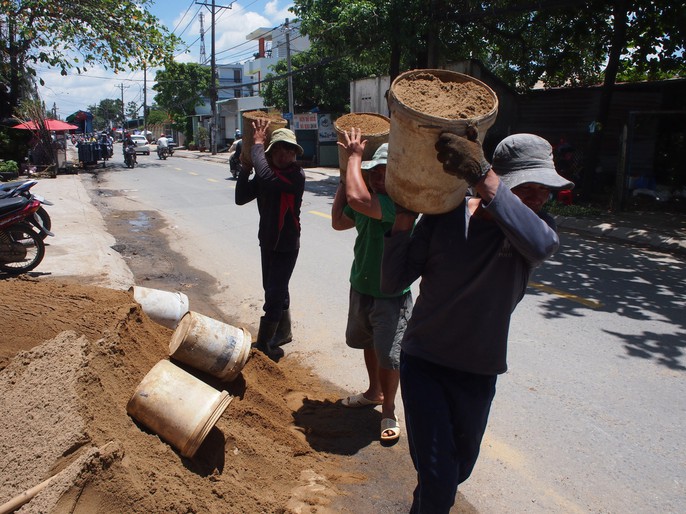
[
  {"x": 164, "y": 307},
  {"x": 177, "y": 406},
  {"x": 424, "y": 103},
  {"x": 210, "y": 345}
]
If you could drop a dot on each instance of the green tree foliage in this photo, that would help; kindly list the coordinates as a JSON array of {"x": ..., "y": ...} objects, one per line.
[
  {"x": 107, "y": 114},
  {"x": 118, "y": 34},
  {"x": 557, "y": 42},
  {"x": 180, "y": 88},
  {"x": 318, "y": 81},
  {"x": 157, "y": 116}
]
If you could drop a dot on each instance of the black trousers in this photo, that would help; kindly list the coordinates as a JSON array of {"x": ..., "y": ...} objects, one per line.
[
  {"x": 277, "y": 268},
  {"x": 446, "y": 412}
]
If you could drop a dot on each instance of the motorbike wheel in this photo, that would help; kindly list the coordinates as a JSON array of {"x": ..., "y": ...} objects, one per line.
[
  {"x": 21, "y": 249},
  {"x": 45, "y": 221}
]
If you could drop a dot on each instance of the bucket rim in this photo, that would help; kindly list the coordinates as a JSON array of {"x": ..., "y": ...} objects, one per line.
[
  {"x": 203, "y": 429},
  {"x": 435, "y": 71},
  {"x": 366, "y": 134},
  {"x": 274, "y": 117},
  {"x": 180, "y": 332}
]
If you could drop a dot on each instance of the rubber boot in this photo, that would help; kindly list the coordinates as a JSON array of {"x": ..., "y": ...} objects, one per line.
[
  {"x": 283, "y": 332},
  {"x": 264, "y": 335}
]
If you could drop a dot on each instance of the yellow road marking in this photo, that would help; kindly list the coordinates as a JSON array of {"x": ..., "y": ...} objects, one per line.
[
  {"x": 178, "y": 169},
  {"x": 212, "y": 180},
  {"x": 593, "y": 304},
  {"x": 322, "y": 214},
  {"x": 193, "y": 173}
]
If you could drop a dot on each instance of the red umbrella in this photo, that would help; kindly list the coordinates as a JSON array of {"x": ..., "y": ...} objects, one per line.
[{"x": 52, "y": 125}]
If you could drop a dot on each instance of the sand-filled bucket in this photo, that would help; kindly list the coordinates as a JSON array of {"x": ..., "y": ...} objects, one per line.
[
  {"x": 276, "y": 122},
  {"x": 163, "y": 307},
  {"x": 210, "y": 345},
  {"x": 178, "y": 407},
  {"x": 424, "y": 103},
  {"x": 374, "y": 128}
]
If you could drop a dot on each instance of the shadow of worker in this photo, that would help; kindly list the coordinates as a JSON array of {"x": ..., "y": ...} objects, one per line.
[{"x": 330, "y": 427}]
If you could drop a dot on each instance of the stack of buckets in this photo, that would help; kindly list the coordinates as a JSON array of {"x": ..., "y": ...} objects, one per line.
[
  {"x": 171, "y": 402},
  {"x": 415, "y": 178}
]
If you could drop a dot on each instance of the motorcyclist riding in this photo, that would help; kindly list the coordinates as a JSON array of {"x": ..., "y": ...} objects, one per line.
[
  {"x": 129, "y": 143},
  {"x": 162, "y": 146}
]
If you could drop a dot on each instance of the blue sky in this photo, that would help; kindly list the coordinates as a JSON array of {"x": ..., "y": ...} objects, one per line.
[{"x": 76, "y": 91}]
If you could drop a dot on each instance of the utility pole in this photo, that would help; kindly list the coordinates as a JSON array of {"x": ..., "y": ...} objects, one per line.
[
  {"x": 214, "y": 124},
  {"x": 288, "y": 63},
  {"x": 123, "y": 112},
  {"x": 145, "y": 99},
  {"x": 213, "y": 91}
]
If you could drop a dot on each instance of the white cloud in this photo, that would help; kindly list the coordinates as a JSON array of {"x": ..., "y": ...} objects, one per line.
[{"x": 75, "y": 91}]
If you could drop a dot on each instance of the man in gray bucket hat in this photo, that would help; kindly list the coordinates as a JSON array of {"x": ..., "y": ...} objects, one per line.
[{"x": 474, "y": 262}]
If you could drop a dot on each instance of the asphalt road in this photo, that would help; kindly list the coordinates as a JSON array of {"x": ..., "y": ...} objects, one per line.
[{"x": 589, "y": 417}]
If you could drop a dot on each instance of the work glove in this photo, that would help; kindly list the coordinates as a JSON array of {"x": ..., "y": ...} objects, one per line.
[{"x": 462, "y": 156}]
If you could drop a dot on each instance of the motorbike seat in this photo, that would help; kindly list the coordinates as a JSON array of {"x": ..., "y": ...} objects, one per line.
[{"x": 11, "y": 204}]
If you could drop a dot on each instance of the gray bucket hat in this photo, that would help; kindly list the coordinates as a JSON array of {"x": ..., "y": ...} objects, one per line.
[
  {"x": 379, "y": 157},
  {"x": 527, "y": 158},
  {"x": 284, "y": 135}
]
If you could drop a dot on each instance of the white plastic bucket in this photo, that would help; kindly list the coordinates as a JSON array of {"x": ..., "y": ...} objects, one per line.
[
  {"x": 414, "y": 177},
  {"x": 178, "y": 407},
  {"x": 163, "y": 307},
  {"x": 210, "y": 345}
]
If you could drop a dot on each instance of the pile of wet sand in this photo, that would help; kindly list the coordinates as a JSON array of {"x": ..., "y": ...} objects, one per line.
[{"x": 71, "y": 357}]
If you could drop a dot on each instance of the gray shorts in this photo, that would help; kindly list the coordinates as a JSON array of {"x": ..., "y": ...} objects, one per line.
[{"x": 378, "y": 323}]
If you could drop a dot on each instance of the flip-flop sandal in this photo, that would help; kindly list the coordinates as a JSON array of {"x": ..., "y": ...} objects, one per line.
[
  {"x": 390, "y": 425},
  {"x": 358, "y": 400}
]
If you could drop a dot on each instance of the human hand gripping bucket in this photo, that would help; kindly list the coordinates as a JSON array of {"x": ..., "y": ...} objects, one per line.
[
  {"x": 374, "y": 128},
  {"x": 275, "y": 122},
  {"x": 424, "y": 103}
]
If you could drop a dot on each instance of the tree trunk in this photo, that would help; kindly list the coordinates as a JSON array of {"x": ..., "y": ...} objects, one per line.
[{"x": 592, "y": 158}]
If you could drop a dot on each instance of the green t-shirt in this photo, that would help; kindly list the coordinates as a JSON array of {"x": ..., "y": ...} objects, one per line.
[{"x": 365, "y": 274}]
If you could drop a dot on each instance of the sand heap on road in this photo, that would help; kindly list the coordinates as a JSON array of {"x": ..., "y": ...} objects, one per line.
[{"x": 71, "y": 357}]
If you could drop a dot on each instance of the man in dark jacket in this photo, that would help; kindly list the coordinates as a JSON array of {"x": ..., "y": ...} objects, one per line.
[
  {"x": 474, "y": 263},
  {"x": 278, "y": 186}
]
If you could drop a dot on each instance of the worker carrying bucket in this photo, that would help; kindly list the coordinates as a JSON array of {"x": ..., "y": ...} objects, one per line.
[{"x": 424, "y": 103}]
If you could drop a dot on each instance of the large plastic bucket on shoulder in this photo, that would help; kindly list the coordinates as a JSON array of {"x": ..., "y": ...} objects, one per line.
[
  {"x": 177, "y": 406},
  {"x": 164, "y": 307},
  {"x": 375, "y": 138},
  {"x": 414, "y": 177},
  {"x": 275, "y": 122},
  {"x": 210, "y": 345}
]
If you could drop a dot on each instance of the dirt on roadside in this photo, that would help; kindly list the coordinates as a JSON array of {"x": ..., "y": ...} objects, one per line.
[{"x": 71, "y": 356}]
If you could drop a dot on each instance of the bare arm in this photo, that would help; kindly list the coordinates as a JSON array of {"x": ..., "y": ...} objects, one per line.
[
  {"x": 339, "y": 221},
  {"x": 357, "y": 194}
]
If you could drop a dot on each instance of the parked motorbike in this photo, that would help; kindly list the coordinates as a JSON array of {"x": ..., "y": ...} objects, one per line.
[
  {"x": 130, "y": 156},
  {"x": 163, "y": 152},
  {"x": 22, "y": 188},
  {"x": 21, "y": 247}
]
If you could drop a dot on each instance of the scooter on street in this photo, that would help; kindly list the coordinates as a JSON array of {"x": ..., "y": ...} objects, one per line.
[
  {"x": 22, "y": 188},
  {"x": 130, "y": 156},
  {"x": 21, "y": 246}
]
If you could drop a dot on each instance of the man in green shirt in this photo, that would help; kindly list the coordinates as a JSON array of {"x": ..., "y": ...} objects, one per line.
[{"x": 376, "y": 321}]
